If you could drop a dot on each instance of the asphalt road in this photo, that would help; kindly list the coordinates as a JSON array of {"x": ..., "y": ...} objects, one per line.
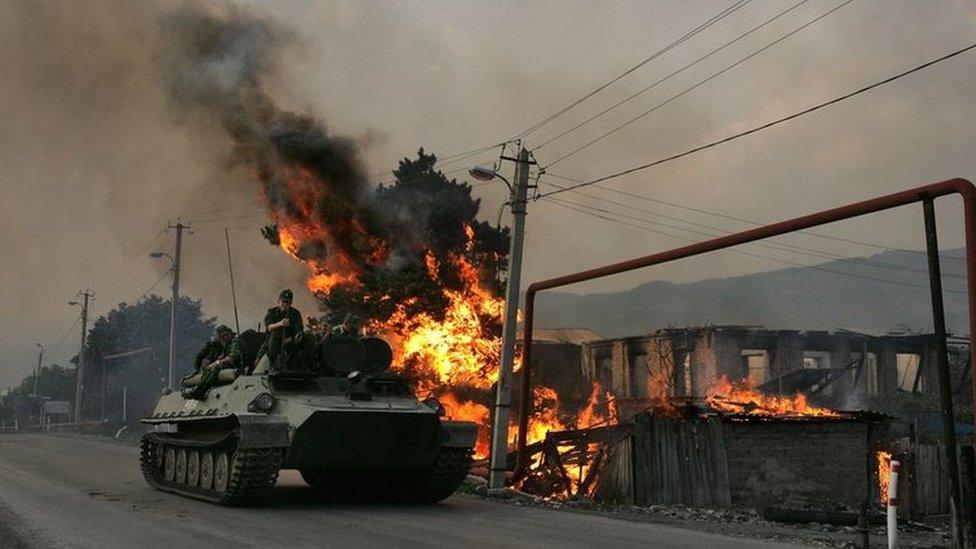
[{"x": 84, "y": 492}]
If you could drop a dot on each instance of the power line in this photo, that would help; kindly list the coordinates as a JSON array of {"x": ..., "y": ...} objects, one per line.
[
  {"x": 677, "y": 42},
  {"x": 205, "y": 213},
  {"x": 440, "y": 164},
  {"x": 127, "y": 262},
  {"x": 562, "y": 204},
  {"x": 262, "y": 214},
  {"x": 56, "y": 348},
  {"x": 232, "y": 212},
  {"x": 669, "y": 76},
  {"x": 125, "y": 276},
  {"x": 153, "y": 287},
  {"x": 680, "y": 94},
  {"x": 449, "y": 159},
  {"x": 766, "y": 125},
  {"x": 769, "y": 244},
  {"x": 727, "y": 216}
]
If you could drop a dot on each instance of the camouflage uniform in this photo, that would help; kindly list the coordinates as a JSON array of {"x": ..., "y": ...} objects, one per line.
[
  {"x": 218, "y": 356},
  {"x": 276, "y": 340}
]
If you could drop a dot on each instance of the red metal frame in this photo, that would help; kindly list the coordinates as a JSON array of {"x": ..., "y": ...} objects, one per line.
[{"x": 951, "y": 186}]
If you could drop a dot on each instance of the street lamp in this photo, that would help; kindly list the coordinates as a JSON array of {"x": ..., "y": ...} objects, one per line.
[
  {"x": 484, "y": 173},
  {"x": 37, "y": 373},
  {"x": 80, "y": 375},
  {"x": 172, "y": 315},
  {"x": 498, "y": 462}
]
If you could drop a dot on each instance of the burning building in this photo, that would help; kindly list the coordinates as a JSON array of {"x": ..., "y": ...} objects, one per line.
[
  {"x": 740, "y": 448},
  {"x": 842, "y": 369},
  {"x": 741, "y": 415}
]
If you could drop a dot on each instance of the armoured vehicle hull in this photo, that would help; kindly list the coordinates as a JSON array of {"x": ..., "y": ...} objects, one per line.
[{"x": 362, "y": 435}]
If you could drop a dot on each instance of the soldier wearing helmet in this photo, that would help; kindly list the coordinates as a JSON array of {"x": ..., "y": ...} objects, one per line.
[
  {"x": 284, "y": 324},
  {"x": 219, "y": 353}
]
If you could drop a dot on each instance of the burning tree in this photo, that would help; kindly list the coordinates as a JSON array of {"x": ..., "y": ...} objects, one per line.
[{"x": 430, "y": 281}]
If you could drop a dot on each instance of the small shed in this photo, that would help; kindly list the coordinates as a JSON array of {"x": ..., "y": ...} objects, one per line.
[{"x": 720, "y": 460}]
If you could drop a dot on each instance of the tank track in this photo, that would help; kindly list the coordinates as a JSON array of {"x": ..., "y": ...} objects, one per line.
[
  {"x": 453, "y": 465},
  {"x": 438, "y": 483},
  {"x": 251, "y": 472}
]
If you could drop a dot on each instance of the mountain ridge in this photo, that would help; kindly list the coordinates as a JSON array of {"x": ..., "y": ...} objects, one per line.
[{"x": 880, "y": 293}]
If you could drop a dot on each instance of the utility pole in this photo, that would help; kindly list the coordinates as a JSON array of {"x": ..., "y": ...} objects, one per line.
[
  {"x": 37, "y": 373},
  {"x": 503, "y": 392},
  {"x": 233, "y": 291},
  {"x": 79, "y": 382},
  {"x": 942, "y": 360},
  {"x": 176, "y": 296}
]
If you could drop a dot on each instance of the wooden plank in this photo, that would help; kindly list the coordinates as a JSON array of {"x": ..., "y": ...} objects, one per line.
[{"x": 723, "y": 490}]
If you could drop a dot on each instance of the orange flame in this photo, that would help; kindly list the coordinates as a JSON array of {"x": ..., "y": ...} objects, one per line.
[
  {"x": 884, "y": 475},
  {"x": 741, "y": 398},
  {"x": 470, "y": 411},
  {"x": 456, "y": 350},
  {"x": 590, "y": 416},
  {"x": 544, "y": 417},
  {"x": 338, "y": 269}
]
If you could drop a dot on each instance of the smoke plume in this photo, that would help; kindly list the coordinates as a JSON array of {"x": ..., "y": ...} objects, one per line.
[{"x": 217, "y": 64}]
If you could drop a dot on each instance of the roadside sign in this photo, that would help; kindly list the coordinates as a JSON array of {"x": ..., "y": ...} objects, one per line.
[{"x": 57, "y": 407}]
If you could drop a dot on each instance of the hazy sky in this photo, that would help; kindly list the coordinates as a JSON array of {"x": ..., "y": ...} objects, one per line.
[{"x": 95, "y": 161}]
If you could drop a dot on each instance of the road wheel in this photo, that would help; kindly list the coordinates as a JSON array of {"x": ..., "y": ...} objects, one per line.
[
  {"x": 221, "y": 472},
  {"x": 169, "y": 464},
  {"x": 180, "y": 466},
  {"x": 193, "y": 467},
  {"x": 206, "y": 470}
]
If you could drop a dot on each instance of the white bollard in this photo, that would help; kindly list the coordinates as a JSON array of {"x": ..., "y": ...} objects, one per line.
[{"x": 893, "y": 505}]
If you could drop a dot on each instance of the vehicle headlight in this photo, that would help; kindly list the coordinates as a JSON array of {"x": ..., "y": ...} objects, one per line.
[
  {"x": 435, "y": 405},
  {"x": 262, "y": 403}
]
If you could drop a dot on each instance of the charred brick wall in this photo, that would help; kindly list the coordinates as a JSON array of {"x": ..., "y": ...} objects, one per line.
[{"x": 769, "y": 461}]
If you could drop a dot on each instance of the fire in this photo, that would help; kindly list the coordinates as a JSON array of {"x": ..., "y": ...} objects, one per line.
[
  {"x": 443, "y": 351},
  {"x": 470, "y": 411},
  {"x": 884, "y": 475},
  {"x": 544, "y": 417},
  {"x": 590, "y": 416},
  {"x": 459, "y": 349},
  {"x": 455, "y": 351},
  {"x": 741, "y": 398},
  {"x": 337, "y": 269}
]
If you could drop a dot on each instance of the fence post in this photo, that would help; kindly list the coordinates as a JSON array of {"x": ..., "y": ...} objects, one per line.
[
  {"x": 893, "y": 505},
  {"x": 967, "y": 466}
]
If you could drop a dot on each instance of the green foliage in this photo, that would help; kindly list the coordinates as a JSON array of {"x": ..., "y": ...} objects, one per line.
[
  {"x": 144, "y": 324},
  {"x": 55, "y": 383}
]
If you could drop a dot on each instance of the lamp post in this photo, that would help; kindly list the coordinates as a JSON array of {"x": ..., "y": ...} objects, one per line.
[
  {"x": 37, "y": 373},
  {"x": 80, "y": 372},
  {"x": 503, "y": 392},
  {"x": 175, "y": 269}
]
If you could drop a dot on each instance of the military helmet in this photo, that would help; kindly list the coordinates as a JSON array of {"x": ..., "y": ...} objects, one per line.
[
  {"x": 224, "y": 329},
  {"x": 286, "y": 295}
]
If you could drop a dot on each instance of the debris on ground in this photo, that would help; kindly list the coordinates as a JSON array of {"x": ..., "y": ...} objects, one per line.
[{"x": 741, "y": 522}]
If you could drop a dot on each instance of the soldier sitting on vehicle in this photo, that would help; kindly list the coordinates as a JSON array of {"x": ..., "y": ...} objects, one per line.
[
  {"x": 219, "y": 353},
  {"x": 284, "y": 325}
]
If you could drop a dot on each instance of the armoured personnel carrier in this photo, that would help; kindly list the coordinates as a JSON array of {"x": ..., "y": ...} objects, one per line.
[{"x": 330, "y": 409}]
